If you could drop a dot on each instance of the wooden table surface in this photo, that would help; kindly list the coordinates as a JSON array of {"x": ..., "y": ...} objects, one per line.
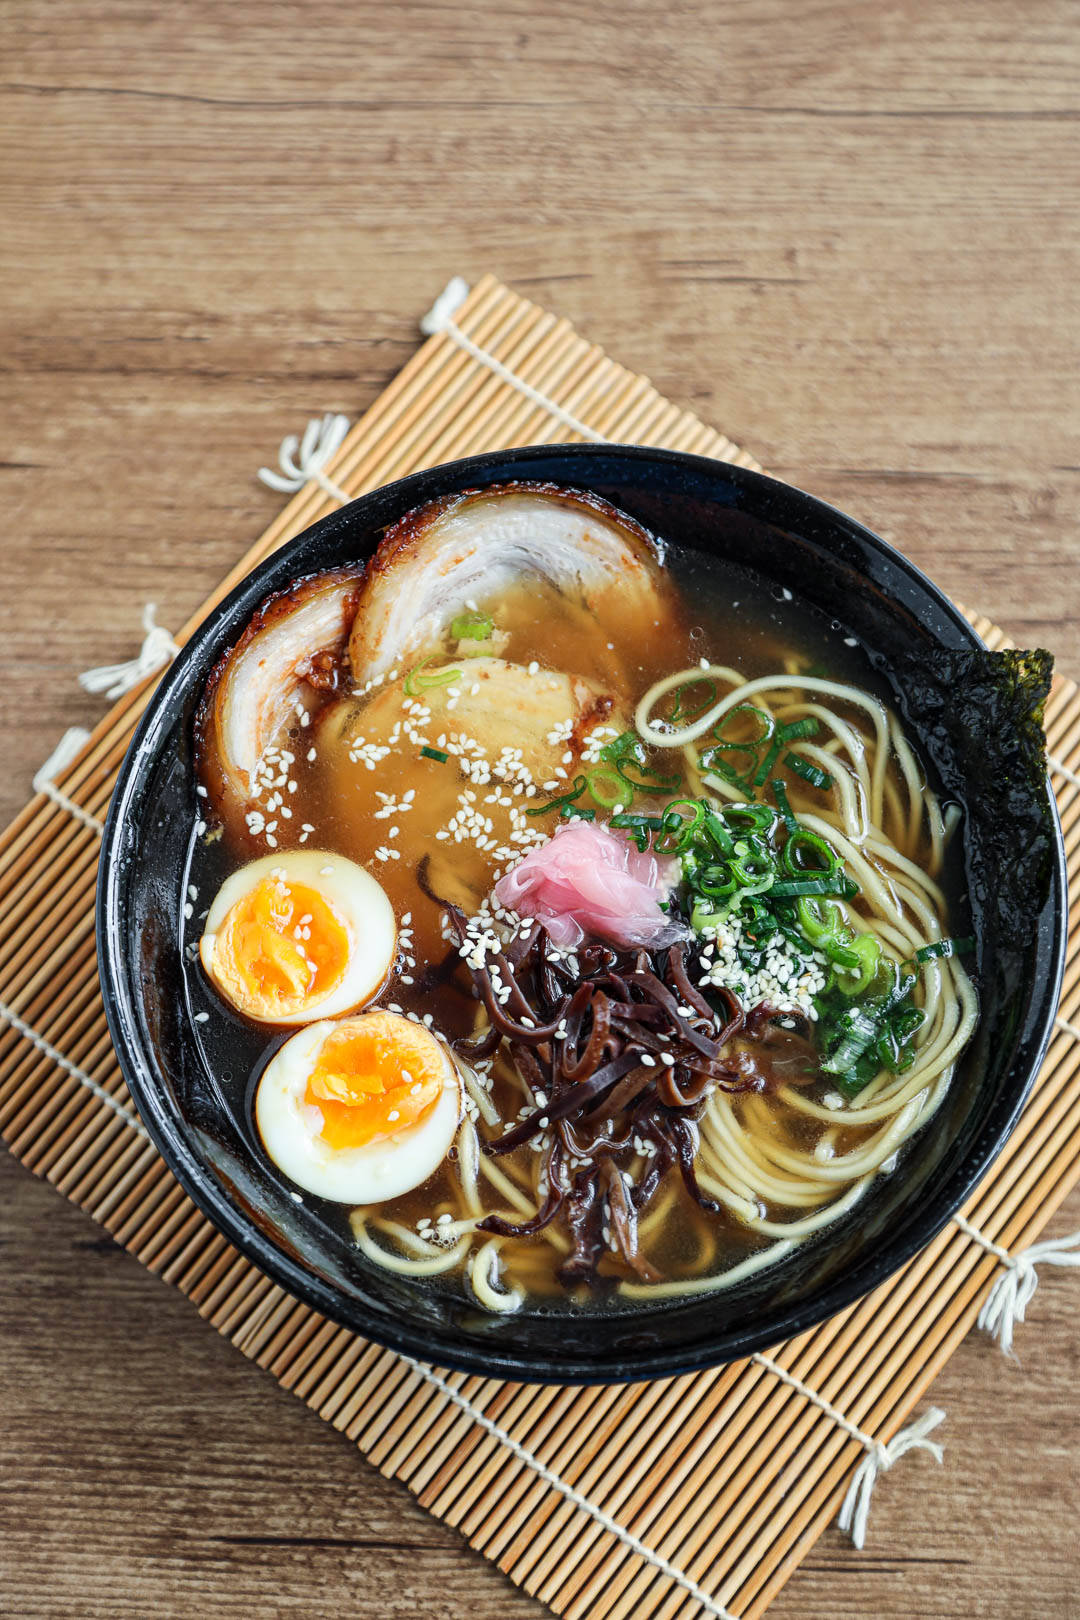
[{"x": 845, "y": 233}]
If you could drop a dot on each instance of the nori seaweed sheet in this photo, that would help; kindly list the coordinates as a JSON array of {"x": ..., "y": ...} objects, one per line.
[{"x": 979, "y": 715}]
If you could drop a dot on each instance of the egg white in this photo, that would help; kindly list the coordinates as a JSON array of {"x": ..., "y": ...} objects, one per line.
[
  {"x": 358, "y": 900},
  {"x": 289, "y": 1127}
]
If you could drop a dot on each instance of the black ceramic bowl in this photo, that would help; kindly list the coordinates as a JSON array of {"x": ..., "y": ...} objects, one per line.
[{"x": 199, "y": 1123}]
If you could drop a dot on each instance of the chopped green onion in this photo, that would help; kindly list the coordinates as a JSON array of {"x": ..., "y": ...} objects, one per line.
[
  {"x": 575, "y": 812},
  {"x": 678, "y": 832},
  {"x": 838, "y": 885},
  {"x": 818, "y": 922},
  {"x": 579, "y": 786},
  {"x": 854, "y": 979},
  {"x": 638, "y": 826},
  {"x": 739, "y": 778},
  {"x": 416, "y": 682},
  {"x": 714, "y": 827},
  {"x": 802, "y": 840},
  {"x": 472, "y": 627},
  {"x": 857, "y": 1028},
  {"x": 627, "y": 745},
  {"x": 758, "y": 817},
  {"x": 809, "y": 773},
  {"x": 609, "y": 788},
  {"x": 762, "y": 772},
  {"x": 434, "y": 753},
  {"x": 690, "y": 715},
  {"x": 780, "y": 795},
  {"x": 807, "y": 727},
  {"x": 628, "y": 750},
  {"x": 907, "y": 1021},
  {"x": 765, "y": 720}
]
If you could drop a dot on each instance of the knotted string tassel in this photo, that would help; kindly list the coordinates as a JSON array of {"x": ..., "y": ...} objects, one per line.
[
  {"x": 61, "y": 757},
  {"x": 878, "y": 1460},
  {"x": 302, "y": 460},
  {"x": 445, "y": 307},
  {"x": 113, "y": 680},
  {"x": 1014, "y": 1290},
  {"x": 879, "y": 1456}
]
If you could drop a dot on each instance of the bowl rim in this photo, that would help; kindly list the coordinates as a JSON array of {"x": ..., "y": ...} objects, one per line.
[{"x": 419, "y": 1343}]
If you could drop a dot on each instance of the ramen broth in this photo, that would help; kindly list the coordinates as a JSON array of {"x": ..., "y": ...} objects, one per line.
[{"x": 355, "y": 787}]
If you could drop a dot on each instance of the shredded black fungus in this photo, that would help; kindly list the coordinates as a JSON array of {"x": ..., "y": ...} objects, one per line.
[{"x": 623, "y": 1049}]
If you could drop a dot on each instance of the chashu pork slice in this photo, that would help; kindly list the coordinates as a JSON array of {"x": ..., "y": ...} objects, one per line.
[
  {"x": 467, "y": 551},
  {"x": 292, "y": 650}
]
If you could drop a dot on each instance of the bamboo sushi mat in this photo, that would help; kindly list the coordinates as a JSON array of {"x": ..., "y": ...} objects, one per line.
[{"x": 678, "y": 1498}]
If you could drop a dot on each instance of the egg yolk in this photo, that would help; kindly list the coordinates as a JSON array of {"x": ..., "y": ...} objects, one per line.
[
  {"x": 375, "y": 1076},
  {"x": 279, "y": 945}
]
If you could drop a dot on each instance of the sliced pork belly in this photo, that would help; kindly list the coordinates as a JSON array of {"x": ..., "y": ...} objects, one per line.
[
  {"x": 459, "y": 553},
  {"x": 292, "y": 650}
]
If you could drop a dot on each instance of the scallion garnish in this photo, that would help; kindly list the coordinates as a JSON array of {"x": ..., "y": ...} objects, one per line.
[
  {"x": 575, "y": 792},
  {"x": 627, "y": 753},
  {"x": 640, "y": 827},
  {"x": 838, "y": 885},
  {"x": 416, "y": 681},
  {"x": 809, "y": 773},
  {"x": 806, "y": 853},
  {"x": 609, "y": 788},
  {"x": 797, "y": 729},
  {"x": 780, "y": 795},
  {"x": 472, "y": 627},
  {"x": 687, "y": 716},
  {"x": 434, "y": 753}
]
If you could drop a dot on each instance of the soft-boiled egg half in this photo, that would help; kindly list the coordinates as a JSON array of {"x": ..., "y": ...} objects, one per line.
[
  {"x": 298, "y": 936},
  {"x": 360, "y": 1110}
]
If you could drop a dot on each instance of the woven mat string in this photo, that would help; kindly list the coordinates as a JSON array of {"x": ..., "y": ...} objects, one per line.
[
  {"x": 1014, "y": 1290},
  {"x": 880, "y": 1455},
  {"x": 440, "y": 318},
  {"x": 10, "y": 1016},
  {"x": 564, "y": 1488}
]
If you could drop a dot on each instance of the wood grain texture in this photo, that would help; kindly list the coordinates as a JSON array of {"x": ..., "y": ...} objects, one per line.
[{"x": 843, "y": 233}]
